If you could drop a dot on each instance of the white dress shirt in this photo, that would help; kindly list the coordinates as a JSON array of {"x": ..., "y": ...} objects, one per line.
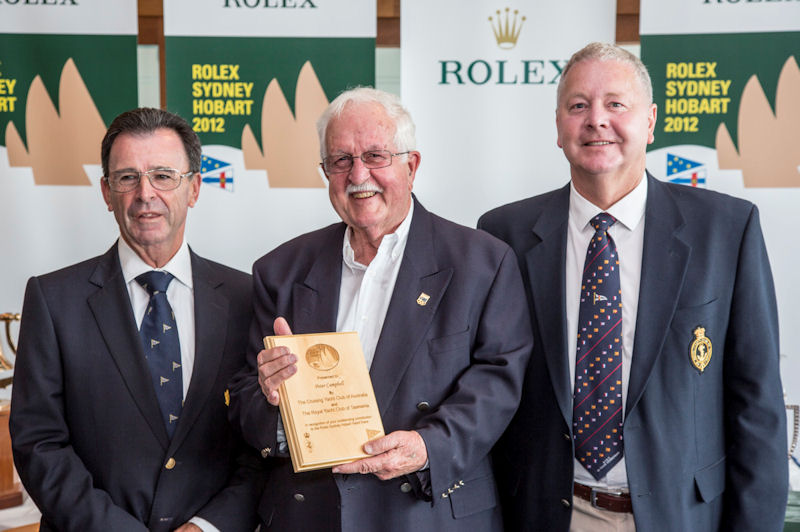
[
  {"x": 365, "y": 290},
  {"x": 628, "y": 235},
  {"x": 180, "y": 294}
]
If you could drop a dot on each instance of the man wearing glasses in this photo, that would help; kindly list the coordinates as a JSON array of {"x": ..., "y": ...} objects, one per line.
[
  {"x": 119, "y": 418},
  {"x": 442, "y": 318}
]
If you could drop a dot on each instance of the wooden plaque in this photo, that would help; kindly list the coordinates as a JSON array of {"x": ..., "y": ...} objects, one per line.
[{"x": 328, "y": 407}]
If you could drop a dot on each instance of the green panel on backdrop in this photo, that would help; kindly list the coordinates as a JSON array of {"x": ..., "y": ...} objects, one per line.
[
  {"x": 107, "y": 64},
  {"x": 339, "y": 63},
  {"x": 737, "y": 58}
]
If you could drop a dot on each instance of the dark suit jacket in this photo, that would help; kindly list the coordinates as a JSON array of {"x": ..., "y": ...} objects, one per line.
[
  {"x": 88, "y": 437},
  {"x": 703, "y": 451},
  {"x": 463, "y": 354}
]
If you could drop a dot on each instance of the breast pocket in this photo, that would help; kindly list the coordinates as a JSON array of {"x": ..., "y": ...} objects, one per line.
[
  {"x": 450, "y": 342},
  {"x": 689, "y": 317},
  {"x": 449, "y": 355}
]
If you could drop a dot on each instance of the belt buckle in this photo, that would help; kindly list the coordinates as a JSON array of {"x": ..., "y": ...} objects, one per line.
[{"x": 593, "y": 497}]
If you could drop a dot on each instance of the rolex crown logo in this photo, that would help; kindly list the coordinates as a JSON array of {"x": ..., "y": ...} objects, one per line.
[{"x": 506, "y": 29}]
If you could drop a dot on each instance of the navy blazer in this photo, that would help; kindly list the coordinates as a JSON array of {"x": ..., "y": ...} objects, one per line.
[
  {"x": 451, "y": 370},
  {"x": 703, "y": 451},
  {"x": 88, "y": 438}
]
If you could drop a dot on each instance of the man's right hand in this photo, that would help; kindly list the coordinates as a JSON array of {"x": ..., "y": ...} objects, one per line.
[{"x": 275, "y": 365}]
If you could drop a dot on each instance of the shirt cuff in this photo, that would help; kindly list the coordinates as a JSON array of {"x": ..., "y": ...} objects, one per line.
[
  {"x": 204, "y": 525},
  {"x": 283, "y": 445}
]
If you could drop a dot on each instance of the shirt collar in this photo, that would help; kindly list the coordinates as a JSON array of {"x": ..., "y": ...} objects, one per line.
[
  {"x": 629, "y": 210},
  {"x": 393, "y": 243},
  {"x": 180, "y": 265}
]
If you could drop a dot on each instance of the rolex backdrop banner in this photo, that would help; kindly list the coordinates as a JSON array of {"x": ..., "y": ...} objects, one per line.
[
  {"x": 252, "y": 77},
  {"x": 480, "y": 81},
  {"x": 58, "y": 93},
  {"x": 727, "y": 85}
]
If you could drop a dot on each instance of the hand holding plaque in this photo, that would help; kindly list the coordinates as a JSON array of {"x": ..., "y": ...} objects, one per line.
[{"x": 328, "y": 407}]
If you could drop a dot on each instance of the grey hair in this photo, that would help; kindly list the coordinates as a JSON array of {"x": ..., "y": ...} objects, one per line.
[
  {"x": 600, "y": 51},
  {"x": 404, "y": 133}
]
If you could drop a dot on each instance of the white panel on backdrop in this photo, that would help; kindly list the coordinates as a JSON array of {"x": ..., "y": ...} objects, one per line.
[
  {"x": 276, "y": 18},
  {"x": 87, "y": 17},
  {"x": 485, "y": 110},
  {"x": 682, "y": 17}
]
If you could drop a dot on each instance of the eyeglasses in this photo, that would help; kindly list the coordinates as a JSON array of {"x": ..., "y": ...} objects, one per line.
[
  {"x": 339, "y": 164},
  {"x": 160, "y": 179}
]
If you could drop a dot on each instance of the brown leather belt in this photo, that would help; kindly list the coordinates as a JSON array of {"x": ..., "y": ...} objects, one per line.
[{"x": 613, "y": 502}]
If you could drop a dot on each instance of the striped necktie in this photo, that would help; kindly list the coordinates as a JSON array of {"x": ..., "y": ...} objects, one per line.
[{"x": 597, "y": 401}]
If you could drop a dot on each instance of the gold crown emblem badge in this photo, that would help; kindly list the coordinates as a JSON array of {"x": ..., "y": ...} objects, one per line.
[
  {"x": 700, "y": 350},
  {"x": 507, "y": 30}
]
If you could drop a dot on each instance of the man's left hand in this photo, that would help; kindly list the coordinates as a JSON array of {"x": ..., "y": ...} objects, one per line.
[{"x": 393, "y": 455}]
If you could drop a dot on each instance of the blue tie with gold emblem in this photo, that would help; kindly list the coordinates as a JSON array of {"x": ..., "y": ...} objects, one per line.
[
  {"x": 597, "y": 402},
  {"x": 162, "y": 347}
]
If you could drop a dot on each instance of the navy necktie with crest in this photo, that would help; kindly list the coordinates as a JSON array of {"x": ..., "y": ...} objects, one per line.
[
  {"x": 597, "y": 401},
  {"x": 162, "y": 348}
]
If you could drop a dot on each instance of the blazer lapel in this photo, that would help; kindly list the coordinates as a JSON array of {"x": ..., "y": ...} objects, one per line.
[
  {"x": 407, "y": 322},
  {"x": 210, "y": 328},
  {"x": 111, "y": 307},
  {"x": 546, "y": 264},
  {"x": 665, "y": 258},
  {"x": 315, "y": 301}
]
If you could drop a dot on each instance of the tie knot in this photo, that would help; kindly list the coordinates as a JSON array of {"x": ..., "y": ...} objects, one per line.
[
  {"x": 603, "y": 221},
  {"x": 155, "y": 281}
]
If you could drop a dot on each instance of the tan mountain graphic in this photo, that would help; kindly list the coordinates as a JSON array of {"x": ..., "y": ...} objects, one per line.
[
  {"x": 58, "y": 145},
  {"x": 769, "y": 143},
  {"x": 290, "y": 152}
]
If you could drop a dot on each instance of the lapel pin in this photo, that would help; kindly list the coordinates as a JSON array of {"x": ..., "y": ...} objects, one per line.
[
  {"x": 423, "y": 298},
  {"x": 700, "y": 351}
]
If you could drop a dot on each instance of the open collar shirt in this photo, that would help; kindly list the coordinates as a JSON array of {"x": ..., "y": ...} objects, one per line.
[{"x": 366, "y": 290}]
